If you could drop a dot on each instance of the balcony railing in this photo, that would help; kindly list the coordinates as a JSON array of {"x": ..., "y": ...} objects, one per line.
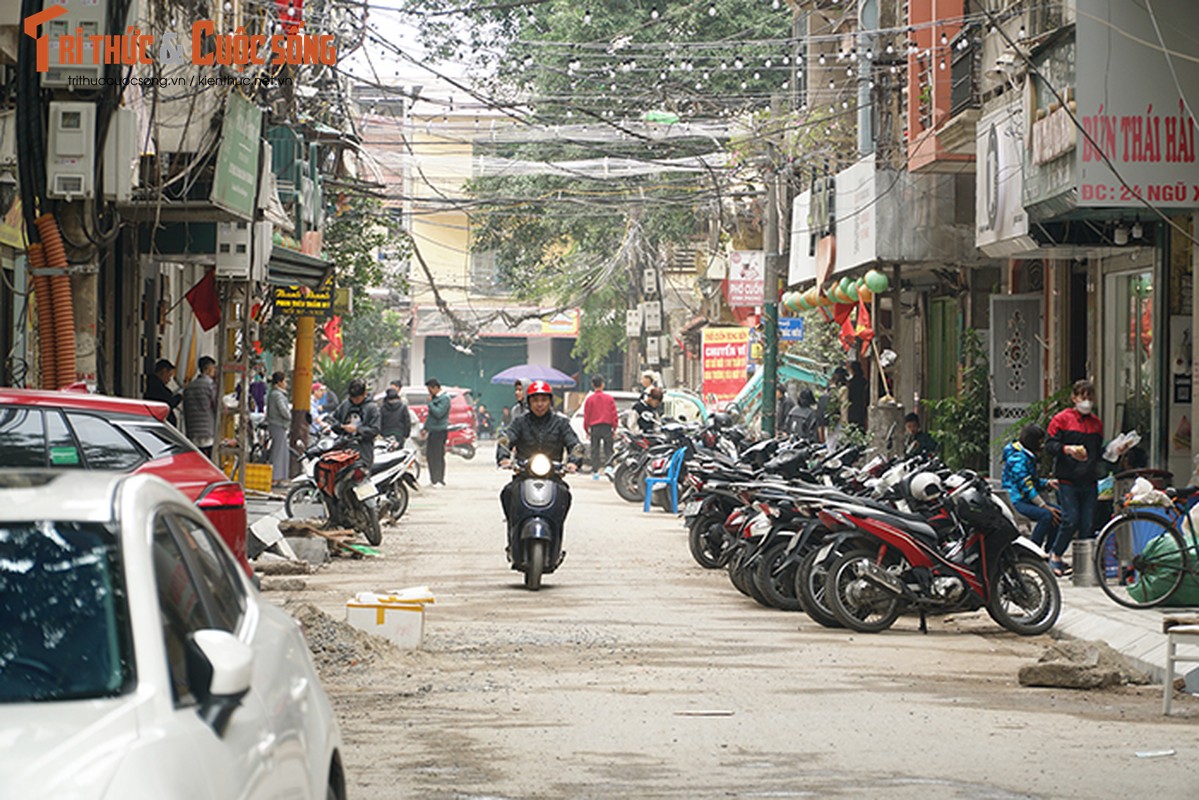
[{"x": 964, "y": 71}]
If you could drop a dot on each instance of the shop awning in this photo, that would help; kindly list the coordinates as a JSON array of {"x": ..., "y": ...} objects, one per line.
[{"x": 292, "y": 268}]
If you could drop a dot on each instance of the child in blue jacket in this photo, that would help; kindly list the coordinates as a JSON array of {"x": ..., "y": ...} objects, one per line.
[{"x": 1024, "y": 488}]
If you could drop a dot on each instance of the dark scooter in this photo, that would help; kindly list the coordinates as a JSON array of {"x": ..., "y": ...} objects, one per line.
[{"x": 540, "y": 500}]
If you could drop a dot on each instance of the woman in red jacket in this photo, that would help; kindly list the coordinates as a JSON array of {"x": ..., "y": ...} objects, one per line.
[{"x": 1076, "y": 444}]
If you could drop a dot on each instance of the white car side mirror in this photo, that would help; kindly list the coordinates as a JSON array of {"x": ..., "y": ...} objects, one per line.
[{"x": 220, "y": 670}]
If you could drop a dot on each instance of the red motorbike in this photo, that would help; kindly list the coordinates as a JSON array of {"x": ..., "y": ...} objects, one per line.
[{"x": 901, "y": 562}]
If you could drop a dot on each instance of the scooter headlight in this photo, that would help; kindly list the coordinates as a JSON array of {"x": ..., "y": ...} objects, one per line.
[{"x": 540, "y": 465}]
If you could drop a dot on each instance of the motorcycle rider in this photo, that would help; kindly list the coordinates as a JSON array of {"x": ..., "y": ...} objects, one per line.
[
  {"x": 359, "y": 415},
  {"x": 539, "y": 430}
]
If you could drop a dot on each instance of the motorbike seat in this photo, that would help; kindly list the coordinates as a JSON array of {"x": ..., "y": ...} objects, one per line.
[{"x": 913, "y": 523}]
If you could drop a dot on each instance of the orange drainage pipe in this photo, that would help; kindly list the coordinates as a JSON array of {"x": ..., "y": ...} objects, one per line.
[{"x": 60, "y": 292}]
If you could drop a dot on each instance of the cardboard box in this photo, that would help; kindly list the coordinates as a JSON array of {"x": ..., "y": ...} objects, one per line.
[{"x": 398, "y": 616}]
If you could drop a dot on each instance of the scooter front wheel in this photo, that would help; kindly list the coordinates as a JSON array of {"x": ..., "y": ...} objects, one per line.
[
  {"x": 535, "y": 564},
  {"x": 304, "y": 502}
]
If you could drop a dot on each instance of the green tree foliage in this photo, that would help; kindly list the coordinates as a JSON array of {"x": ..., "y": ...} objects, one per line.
[{"x": 565, "y": 239}]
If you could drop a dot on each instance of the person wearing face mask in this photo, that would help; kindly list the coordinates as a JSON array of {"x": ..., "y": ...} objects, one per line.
[
  {"x": 1076, "y": 444},
  {"x": 1025, "y": 488}
]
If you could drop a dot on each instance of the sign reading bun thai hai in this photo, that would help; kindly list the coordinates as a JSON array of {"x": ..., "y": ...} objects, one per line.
[{"x": 1131, "y": 106}]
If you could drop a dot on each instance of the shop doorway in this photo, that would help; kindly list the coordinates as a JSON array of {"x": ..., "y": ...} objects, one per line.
[{"x": 1132, "y": 395}]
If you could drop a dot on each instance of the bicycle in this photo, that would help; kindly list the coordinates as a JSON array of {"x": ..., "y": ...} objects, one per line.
[{"x": 1142, "y": 556}]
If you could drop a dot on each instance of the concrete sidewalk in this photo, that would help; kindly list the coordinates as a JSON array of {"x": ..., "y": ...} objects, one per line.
[{"x": 1088, "y": 613}]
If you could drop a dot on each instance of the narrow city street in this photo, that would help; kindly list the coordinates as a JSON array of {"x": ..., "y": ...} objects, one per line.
[{"x": 634, "y": 673}]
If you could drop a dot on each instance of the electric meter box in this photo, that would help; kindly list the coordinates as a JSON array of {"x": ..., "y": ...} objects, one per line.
[
  {"x": 243, "y": 249},
  {"x": 71, "y": 151},
  {"x": 86, "y": 18}
]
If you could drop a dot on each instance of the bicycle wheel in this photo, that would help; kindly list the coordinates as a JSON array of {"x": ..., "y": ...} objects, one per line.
[{"x": 1139, "y": 560}]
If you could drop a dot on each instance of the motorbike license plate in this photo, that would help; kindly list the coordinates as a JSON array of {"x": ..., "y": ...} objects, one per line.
[
  {"x": 692, "y": 508},
  {"x": 365, "y": 490}
]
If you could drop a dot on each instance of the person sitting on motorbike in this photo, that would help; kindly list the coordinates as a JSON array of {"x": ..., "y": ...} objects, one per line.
[
  {"x": 538, "y": 430},
  {"x": 359, "y": 415},
  {"x": 646, "y": 413}
]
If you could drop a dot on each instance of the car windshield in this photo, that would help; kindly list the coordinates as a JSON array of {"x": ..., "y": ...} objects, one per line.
[
  {"x": 66, "y": 632},
  {"x": 157, "y": 439}
]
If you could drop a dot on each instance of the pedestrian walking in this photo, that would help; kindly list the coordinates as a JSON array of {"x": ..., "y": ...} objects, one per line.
[
  {"x": 437, "y": 424},
  {"x": 599, "y": 421},
  {"x": 199, "y": 406},
  {"x": 395, "y": 419},
  {"x": 1025, "y": 489},
  {"x": 278, "y": 422},
  {"x": 157, "y": 389}
]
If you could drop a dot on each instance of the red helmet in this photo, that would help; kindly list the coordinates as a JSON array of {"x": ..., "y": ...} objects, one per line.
[{"x": 538, "y": 387}]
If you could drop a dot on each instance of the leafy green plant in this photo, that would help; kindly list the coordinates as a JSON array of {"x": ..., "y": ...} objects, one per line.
[
  {"x": 336, "y": 373},
  {"x": 961, "y": 423}
]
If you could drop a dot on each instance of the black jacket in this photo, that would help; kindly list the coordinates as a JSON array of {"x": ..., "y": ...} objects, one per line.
[
  {"x": 366, "y": 418},
  {"x": 394, "y": 419},
  {"x": 804, "y": 422},
  {"x": 550, "y": 434},
  {"x": 647, "y": 424},
  {"x": 157, "y": 390}
]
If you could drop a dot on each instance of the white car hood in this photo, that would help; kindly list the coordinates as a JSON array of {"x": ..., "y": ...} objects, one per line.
[{"x": 65, "y": 750}]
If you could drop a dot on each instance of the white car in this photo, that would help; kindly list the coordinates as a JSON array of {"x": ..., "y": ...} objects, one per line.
[
  {"x": 676, "y": 404},
  {"x": 138, "y": 661}
]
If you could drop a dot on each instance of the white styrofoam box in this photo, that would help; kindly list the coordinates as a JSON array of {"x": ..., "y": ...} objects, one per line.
[{"x": 398, "y": 616}]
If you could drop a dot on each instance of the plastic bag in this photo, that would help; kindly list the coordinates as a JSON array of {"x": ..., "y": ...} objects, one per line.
[
  {"x": 1143, "y": 494},
  {"x": 1120, "y": 445}
]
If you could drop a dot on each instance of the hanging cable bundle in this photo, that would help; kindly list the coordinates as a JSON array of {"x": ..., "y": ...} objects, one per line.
[{"x": 60, "y": 293}]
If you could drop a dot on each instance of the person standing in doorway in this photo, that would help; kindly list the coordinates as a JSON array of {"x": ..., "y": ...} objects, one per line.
[
  {"x": 199, "y": 406},
  {"x": 278, "y": 422},
  {"x": 1076, "y": 444},
  {"x": 599, "y": 420},
  {"x": 437, "y": 425},
  {"x": 157, "y": 389}
]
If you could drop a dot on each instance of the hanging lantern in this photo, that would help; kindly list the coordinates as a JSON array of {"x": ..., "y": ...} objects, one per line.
[
  {"x": 813, "y": 297},
  {"x": 851, "y": 291},
  {"x": 877, "y": 281},
  {"x": 864, "y": 293}
]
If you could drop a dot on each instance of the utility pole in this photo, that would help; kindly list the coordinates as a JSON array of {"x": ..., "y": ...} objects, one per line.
[{"x": 770, "y": 308}]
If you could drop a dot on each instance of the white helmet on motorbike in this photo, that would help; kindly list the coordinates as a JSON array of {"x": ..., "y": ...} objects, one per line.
[{"x": 925, "y": 487}]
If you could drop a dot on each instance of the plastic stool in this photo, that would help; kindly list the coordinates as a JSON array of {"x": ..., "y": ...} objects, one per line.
[{"x": 1176, "y": 634}]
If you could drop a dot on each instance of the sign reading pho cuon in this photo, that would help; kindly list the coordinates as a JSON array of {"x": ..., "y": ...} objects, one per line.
[{"x": 299, "y": 301}]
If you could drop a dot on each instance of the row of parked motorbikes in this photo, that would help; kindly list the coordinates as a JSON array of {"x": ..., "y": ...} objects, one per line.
[{"x": 854, "y": 542}]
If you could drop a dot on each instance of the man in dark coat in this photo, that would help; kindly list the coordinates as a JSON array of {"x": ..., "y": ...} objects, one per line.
[{"x": 157, "y": 389}]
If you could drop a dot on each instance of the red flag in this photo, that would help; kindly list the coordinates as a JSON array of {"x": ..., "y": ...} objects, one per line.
[
  {"x": 332, "y": 329},
  {"x": 863, "y": 329},
  {"x": 204, "y": 301}
]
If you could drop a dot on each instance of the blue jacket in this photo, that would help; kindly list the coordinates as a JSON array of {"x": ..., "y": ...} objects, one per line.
[{"x": 1020, "y": 479}]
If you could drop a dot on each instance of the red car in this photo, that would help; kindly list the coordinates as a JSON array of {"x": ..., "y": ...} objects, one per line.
[{"x": 72, "y": 430}]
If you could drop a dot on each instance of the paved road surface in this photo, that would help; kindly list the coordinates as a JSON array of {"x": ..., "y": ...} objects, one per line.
[{"x": 634, "y": 673}]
